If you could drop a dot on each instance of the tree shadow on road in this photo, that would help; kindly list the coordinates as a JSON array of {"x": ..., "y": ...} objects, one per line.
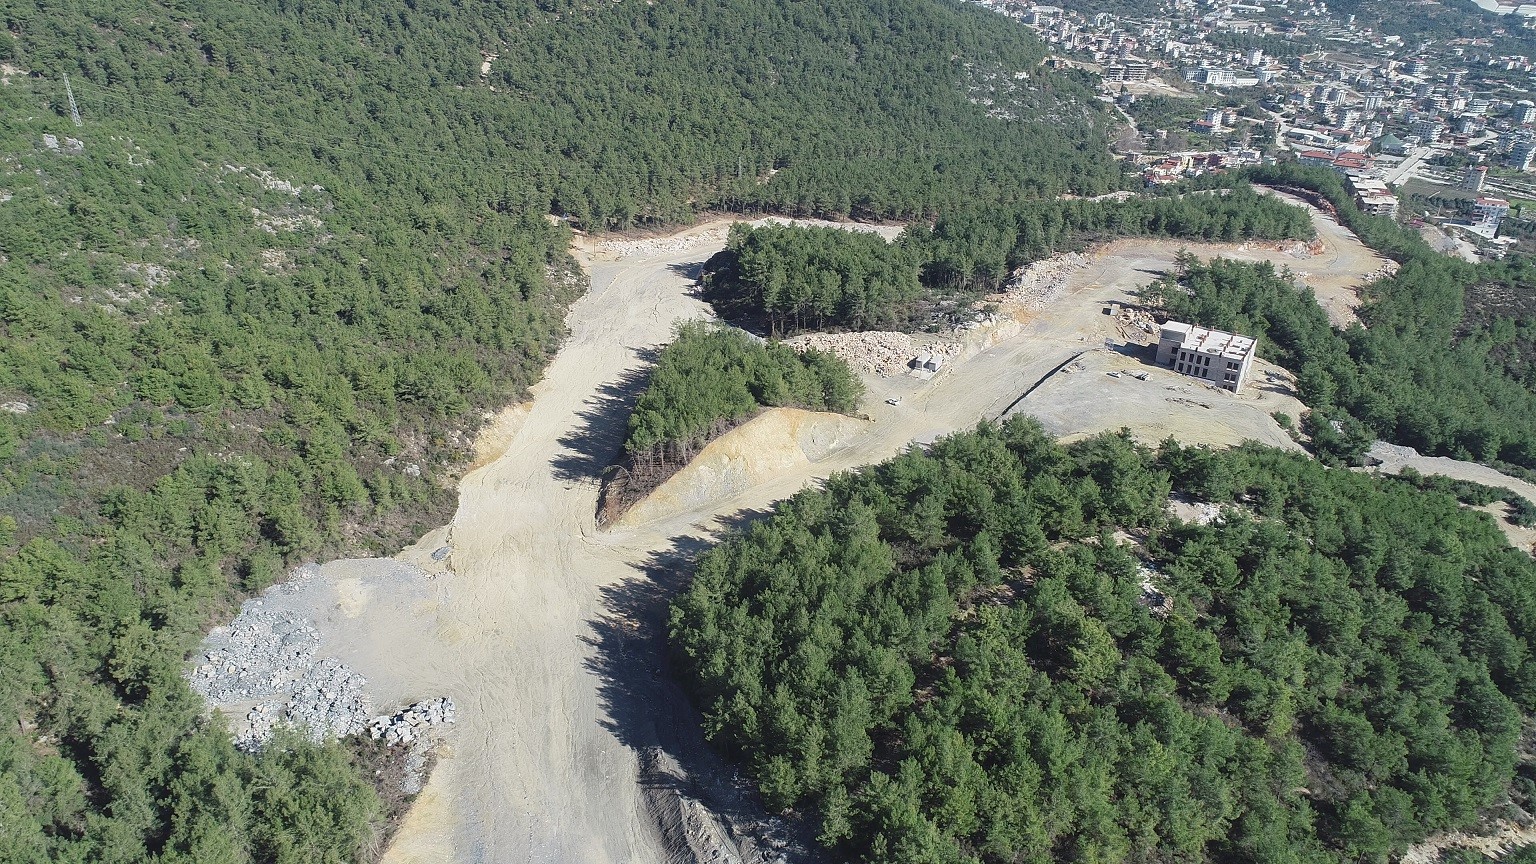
[
  {"x": 595, "y": 443},
  {"x": 647, "y": 709}
]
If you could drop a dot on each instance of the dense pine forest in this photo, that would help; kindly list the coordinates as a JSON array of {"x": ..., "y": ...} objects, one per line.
[
  {"x": 253, "y": 306},
  {"x": 1003, "y": 649},
  {"x": 786, "y": 279},
  {"x": 611, "y": 113}
]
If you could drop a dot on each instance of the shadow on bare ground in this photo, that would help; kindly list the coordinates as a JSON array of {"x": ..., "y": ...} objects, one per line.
[
  {"x": 690, "y": 270},
  {"x": 598, "y": 438},
  {"x": 703, "y": 807}
]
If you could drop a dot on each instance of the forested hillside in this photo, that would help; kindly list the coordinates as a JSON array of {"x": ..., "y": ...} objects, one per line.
[
  {"x": 954, "y": 657},
  {"x": 786, "y": 279},
  {"x": 210, "y": 372},
  {"x": 252, "y": 306},
  {"x": 609, "y": 112}
]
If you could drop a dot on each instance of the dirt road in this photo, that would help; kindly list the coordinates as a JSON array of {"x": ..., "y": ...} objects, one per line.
[{"x": 572, "y": 743}]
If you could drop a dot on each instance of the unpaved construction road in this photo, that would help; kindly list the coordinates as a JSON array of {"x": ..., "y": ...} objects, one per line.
[{"x": 572, "y": 742}]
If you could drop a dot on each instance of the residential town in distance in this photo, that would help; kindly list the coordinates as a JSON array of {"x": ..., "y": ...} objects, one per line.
[{"x": 1436, "y": 129}]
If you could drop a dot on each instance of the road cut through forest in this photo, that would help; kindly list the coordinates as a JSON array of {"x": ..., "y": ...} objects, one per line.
[{"x": 573, "y": 744}]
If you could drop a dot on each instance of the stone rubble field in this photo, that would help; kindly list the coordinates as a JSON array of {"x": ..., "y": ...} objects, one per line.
[
  {"x": 711, "y": 235},
  {"x": 272, "y": 658},
  {"x": 874, "y": 352},
  {"x": 1038, "y": 285}
]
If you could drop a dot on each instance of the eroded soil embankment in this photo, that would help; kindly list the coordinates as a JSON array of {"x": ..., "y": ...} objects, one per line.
[
  {"x": 778, "y": 442},
  {"x": 634, "y": 476}
]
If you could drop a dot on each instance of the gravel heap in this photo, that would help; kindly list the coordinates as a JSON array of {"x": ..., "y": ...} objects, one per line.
[
  {"x": 1136, "y": 321},
  {"x": 267, "y": 656},
  {"x": 328, "y": 700},
  {"x": 409, "y": 727},
  {"x": 873, "y": 351},
  {"x": 1385, "y": 271},
  {"x": 259, "y": 654},
  {"x": 1037, "y": 285},
  {"x": 407, "y": 724},
  {"x": 621, "y": 249},
  {"x": 1391, "y": 455},
  {"x": 681, "y": 243}
]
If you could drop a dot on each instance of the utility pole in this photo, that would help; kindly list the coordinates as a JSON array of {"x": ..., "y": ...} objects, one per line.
[{"x": 74, "y": 110}]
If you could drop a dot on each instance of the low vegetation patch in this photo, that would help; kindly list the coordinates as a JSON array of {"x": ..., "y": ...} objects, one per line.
[
  {"x": 708, "y": 380},
  {"x": 949, "y": 658}
]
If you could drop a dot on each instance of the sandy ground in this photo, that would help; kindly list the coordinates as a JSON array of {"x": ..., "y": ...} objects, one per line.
[{"x": 573, "y": 743}]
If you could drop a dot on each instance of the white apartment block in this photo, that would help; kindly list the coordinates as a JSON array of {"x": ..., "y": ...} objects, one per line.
[{"x": 1223, "y": 359}]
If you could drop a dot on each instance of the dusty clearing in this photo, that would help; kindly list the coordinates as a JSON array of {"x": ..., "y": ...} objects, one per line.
[
  {"x": 573, "y": 744},
  {"x": 1335, "y": 273}
]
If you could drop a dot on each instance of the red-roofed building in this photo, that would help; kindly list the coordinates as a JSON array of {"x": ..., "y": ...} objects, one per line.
[{"x": 1354, "y": 162}]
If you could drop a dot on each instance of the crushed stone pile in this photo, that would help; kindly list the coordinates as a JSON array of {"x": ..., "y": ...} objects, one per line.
[
  {"x": 1388, "y": 452},
  {"x": 874, "y": 352},
  {"x": 408, "y": 724},
  {"x": 1385, "y": 271},
  {"x": 410, "y": 727},
  {"x": 329, "y": 701},
  {"x": 647, "y": 247},
  {"x": 1296, "y": 248},
  {"x": 270, "y": 657},
  {"x": 1036, "y": 286},
  {"x": 1136, "y": 321},
  {"x": 260, "y": 653},
  {"x": 621, "y": 249}
]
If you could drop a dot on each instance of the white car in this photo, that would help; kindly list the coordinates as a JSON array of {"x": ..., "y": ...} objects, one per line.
[{"x": 894, "y": 400}]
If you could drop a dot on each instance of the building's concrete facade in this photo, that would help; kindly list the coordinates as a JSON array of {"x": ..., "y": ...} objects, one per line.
[{"x": 1223, "y": 359}]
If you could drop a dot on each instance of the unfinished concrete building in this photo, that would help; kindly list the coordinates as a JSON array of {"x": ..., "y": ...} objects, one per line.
[{"x": 1223, "y": 359}]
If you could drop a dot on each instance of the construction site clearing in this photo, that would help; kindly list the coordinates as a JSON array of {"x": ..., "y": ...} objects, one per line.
[{"x": 572, "y": 740}]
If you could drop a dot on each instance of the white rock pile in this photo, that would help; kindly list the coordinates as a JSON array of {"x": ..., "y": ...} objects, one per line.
[
  {"x": 1038, "y": 285},
  {"x": 621, "y": 249},
  {"x": 268, "y": 657},
  {"x": 874, "y": 352},
  {"x": 328, "y": 700},
  {"x": 410, "y": 728},
  {"x": 1385, "y": 271},
  {"x": 407, "y": 725},
  {"x": 716, "y": 234},
  {"x": 259, "y": 654}
]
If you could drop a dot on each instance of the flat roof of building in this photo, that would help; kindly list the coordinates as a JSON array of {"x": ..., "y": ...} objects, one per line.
[{"x": 1229, "y": 345}]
